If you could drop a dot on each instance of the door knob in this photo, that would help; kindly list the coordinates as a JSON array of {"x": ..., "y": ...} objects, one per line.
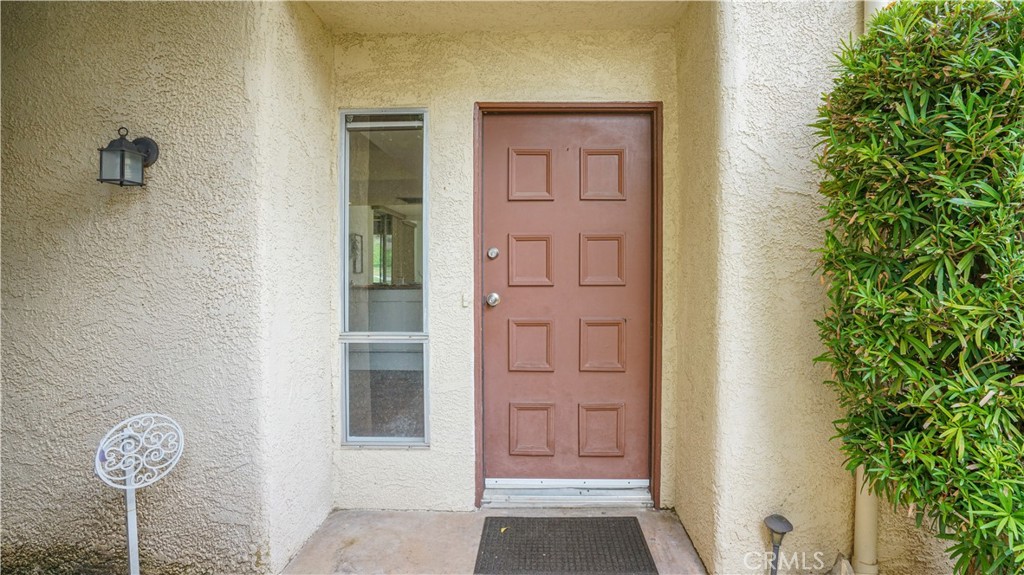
[
  {"x": 493, "y": 299},
  {"x": 493, "y": 253}
]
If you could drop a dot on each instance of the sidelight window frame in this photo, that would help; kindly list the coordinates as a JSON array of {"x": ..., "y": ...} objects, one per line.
[{"x": 347, "y": 337}]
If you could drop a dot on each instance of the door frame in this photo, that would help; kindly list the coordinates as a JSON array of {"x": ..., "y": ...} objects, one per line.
[{"x": 654, "y": 110}]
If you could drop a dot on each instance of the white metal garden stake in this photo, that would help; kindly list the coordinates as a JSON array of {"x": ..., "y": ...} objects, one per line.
[{"x": 138, "y": 452}]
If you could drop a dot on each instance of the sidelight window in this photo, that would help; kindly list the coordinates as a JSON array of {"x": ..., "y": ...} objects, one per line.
[{"x": 384, "y": 336}]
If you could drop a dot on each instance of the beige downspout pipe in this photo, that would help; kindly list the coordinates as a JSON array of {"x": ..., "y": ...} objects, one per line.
[
  {"x": 865, "y": 529},
  {"x": 865, "y": 515}
]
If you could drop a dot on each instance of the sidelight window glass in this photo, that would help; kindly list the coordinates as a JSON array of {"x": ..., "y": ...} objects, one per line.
[
  {"x": 384, "y": 313},
  {"x": 385, "y": 387},
  {"x": 385, "y": 224}
]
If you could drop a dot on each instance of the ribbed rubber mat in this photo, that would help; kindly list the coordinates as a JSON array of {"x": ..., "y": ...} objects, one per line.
[{"x": 536, "y": 545}]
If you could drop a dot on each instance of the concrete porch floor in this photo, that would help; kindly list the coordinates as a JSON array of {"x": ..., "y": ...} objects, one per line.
[{"x": 417, "y": 542}]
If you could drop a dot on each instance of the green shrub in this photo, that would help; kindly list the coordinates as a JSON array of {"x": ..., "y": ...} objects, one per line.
[{"x": 922, "y": 140}]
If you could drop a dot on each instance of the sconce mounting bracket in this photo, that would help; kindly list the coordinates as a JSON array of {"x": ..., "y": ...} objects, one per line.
[{"x": 148, "y": 148}]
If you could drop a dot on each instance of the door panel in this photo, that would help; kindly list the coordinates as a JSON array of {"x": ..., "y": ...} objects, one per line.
[{"x": 566, "y": 367}]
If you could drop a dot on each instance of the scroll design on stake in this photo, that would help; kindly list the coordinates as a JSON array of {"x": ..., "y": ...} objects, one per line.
[{"x": 139, "y": 451}]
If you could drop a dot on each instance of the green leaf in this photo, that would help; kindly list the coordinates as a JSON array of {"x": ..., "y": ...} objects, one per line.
[{"x": 971, "y": 203}]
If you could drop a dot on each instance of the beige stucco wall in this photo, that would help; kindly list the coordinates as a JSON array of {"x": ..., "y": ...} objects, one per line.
[
  {"x": 694, "y": 424},
  {"x": 447, "y": 74},
  {"x": 905, "y": 549},
  {"x": 290, "y": 82},
  {"x": 781, "y": 460},
  {"x": 185, "y": 297},
  {"x": 121, "y": 301},
  {"x": 756, "y": 420}
]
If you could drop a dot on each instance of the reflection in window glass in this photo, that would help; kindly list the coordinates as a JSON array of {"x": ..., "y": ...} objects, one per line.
[
  {"x": 385, "y": 219},
  {"x": 385, "y": 390}
]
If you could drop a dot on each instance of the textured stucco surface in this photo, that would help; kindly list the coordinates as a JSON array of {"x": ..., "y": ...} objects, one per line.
[
  {"x": 905, "y": 549},
  {"x": 509, "y": 16},
  {"x": 174, "y": 298},
  {"x": 447, "y": 74},
  {"x": 694, "y": 424},
  {"x": 760, "y": 441},
  {"x": 297, "y": 198},
  {"x": 121, "y": 301}
]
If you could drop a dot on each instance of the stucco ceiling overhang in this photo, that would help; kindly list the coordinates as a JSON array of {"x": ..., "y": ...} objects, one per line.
[{"x": 434, "y": 17}]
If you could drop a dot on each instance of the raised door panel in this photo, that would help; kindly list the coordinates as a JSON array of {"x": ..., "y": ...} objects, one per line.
[
  {"x": 529, "y": 260},
  {"x": 602, "y": 430},
  {"x": 531, "y": 429},
  {"x": 603, "y": 344},
  {"x": 602, "y": 174},
  {"x": 603, "y": 259},
  {"x": 529, "y": 175},
  {"x": 531, "y": 345}
]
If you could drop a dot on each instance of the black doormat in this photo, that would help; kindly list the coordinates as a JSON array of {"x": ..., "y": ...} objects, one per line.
[{"x": 534, "y": 545}]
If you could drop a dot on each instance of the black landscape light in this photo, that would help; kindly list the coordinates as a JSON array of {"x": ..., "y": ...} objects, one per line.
[{"x": 778, "y": 526}]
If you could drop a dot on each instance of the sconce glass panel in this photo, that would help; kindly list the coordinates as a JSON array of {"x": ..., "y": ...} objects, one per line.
[
  {"x": 132, "y": 168},
  {"x": 110, "y": 165}
]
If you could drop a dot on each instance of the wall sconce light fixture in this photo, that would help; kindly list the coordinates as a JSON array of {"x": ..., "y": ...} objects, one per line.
[
  {"x": 121, "y": 162},
  {"x": 778, "y": 526}
]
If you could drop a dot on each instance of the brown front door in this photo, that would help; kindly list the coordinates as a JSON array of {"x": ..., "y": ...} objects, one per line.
[{"x": 567, "y": 244}]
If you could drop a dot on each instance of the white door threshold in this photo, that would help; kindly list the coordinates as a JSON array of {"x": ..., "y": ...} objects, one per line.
[{"x": 518, "y": 493}]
